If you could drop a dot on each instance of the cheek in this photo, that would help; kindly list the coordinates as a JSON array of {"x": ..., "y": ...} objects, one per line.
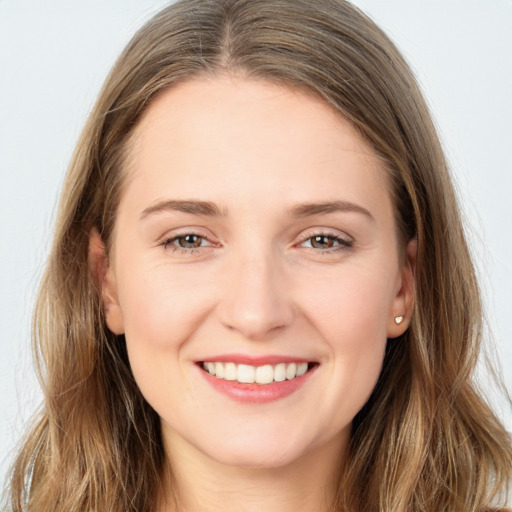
[
  {"x": 351, "y": 317},
  {"x": 161, "y": 311},
  {"x": 357, "y": 339},
  {"x": 350, "y": 307},
  {"x": 161, "y": 307}
]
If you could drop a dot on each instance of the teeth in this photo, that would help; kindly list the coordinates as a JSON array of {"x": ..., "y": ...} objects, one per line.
[
  {"x": 248, "y": 374},
  {"x": 302, "y": 368},
  {"x": 230, "y": 371},
  {"x": 291, "y": 371},
  {"x": 280, "y": 372},
  {"x": 244, "y": 373},
  {"x": 264, "y": 374},
  {"x": 219, "y": 370}
]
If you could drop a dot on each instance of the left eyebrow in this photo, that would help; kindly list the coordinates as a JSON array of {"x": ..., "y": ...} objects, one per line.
[{"x": 308, "y": 209}]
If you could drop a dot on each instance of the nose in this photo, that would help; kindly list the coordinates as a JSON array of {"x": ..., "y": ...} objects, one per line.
[{"x": 255, "y": 299}]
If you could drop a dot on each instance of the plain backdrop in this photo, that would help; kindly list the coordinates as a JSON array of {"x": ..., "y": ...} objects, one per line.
[{"x": 54, "y": 56}]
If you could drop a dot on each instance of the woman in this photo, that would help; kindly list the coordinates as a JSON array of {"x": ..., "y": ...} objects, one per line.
[{"x": 260, "y": 295}]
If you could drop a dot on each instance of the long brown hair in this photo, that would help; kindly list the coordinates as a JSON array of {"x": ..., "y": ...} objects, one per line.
[{"x": 426, "y": 440}]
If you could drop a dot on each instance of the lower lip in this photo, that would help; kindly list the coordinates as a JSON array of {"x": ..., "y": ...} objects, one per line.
[{"x": 257, "y": 393}]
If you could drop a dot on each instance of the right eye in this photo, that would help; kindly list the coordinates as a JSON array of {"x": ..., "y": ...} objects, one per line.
[{"x": 187, "y": 241}]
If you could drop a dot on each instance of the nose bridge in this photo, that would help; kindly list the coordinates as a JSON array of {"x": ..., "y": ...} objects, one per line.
[{"x": 255, "y": 300}]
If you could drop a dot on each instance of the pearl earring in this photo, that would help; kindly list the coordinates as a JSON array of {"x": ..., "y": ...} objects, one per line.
[{"x": 399, "y": 320}]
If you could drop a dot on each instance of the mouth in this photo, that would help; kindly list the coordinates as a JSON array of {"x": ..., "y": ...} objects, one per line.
[{"x": 262, "y": 375}]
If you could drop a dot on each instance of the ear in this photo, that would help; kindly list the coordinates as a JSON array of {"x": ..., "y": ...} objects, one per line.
[
  {"x": 403, "y": 303},
  {"x": 104, "y": 278}
]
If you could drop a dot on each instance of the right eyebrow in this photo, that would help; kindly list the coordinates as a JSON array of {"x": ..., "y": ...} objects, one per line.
[{"x": 193, "y": 207}]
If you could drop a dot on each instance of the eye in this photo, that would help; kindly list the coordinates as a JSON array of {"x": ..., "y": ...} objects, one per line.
[
  {"x": 190, "y": 241},
  {"x": 186, "y": 241},
  {"x": 326, "y": 242}
]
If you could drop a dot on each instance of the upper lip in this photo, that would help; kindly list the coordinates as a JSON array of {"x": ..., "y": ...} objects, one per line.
[{"x": 253, "y": 360}]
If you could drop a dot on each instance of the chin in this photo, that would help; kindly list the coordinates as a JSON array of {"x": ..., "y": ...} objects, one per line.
[
  {"x": 255, "y": 457},
  {"x": 262, "y": 449}
]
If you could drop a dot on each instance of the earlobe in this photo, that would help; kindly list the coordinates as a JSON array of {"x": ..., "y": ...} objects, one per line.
[
  {"x": 104, "y": 278},
  {"x": 403, "y": 304}
]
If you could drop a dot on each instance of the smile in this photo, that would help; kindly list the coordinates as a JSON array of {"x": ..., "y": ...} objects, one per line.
[{"x": 248, "y": 374}]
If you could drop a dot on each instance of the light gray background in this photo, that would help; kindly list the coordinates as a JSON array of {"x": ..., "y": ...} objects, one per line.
[{"x": 54, "y": 56}]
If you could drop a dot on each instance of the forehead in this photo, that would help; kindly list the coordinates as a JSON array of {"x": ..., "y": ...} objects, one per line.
[
  {"x": 215, "y": 106},
  {"x": 234, "y": 137}
]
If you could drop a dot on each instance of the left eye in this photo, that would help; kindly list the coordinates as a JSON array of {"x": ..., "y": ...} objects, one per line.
[
  {"x": 188, "y": 241},
  {"x": 326, "y": 242}
]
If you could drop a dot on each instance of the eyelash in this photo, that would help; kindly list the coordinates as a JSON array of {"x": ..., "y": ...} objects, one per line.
[{"x": 342, "y": 243}]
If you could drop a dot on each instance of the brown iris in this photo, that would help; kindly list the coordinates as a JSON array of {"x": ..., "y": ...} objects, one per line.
[
  {"x": 190, "y": 241},
  {"x": 322, "y": 242}
]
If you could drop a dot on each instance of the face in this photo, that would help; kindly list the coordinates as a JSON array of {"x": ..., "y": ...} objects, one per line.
[{"x": 255, "y": 270}]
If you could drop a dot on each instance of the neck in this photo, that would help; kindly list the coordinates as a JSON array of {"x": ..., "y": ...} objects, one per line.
[{"x": 200, "y": 484}]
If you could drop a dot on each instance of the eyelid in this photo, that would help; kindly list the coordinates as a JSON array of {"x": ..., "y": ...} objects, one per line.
[{"x": 322, "y": 231}]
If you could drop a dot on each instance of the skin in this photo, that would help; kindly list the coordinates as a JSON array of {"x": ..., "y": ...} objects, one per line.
[{"x": 256, "y": 285}]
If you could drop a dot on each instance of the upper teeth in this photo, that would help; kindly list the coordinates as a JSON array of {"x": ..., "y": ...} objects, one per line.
[{"x": 265, "y": 374}]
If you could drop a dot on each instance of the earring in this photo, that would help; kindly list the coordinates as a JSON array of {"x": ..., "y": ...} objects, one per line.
[{"x": 399, "y": 320}]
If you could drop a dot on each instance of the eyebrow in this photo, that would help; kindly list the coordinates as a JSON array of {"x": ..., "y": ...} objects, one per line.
[
  {"x": 309, "y": 209},
  {"x": 206, "y": 208},
  {"x": 209, "y": 209}
]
